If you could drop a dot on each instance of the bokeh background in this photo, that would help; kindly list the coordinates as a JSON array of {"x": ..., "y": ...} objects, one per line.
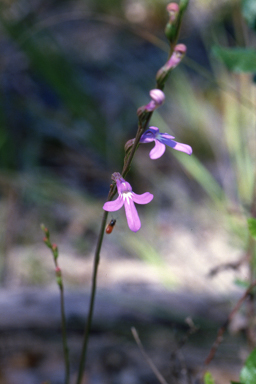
[{"x": 72, "y": 75}]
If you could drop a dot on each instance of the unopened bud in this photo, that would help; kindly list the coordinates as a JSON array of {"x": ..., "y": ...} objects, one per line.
[
  {"x": 177, "y": 56},
  {"x": 172, "y": 9},
  {"x": 58, "y": 276},
  {"x": 47, "y": 242},
  {"x": 116, "y": 176},
  {"x": 157, "y": 97},
  {"x": 45, "y": 230},
  {"x": 172, "y": 27},
  {"x": 55, "y": 251},
  {"x": 128, "y": 145},
  {"x": 175, "y": 59}
]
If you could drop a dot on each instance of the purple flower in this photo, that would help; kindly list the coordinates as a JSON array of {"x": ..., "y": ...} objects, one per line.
[
  {"x": 161, "y": 140},
  {"x": 127, "y": 198}
]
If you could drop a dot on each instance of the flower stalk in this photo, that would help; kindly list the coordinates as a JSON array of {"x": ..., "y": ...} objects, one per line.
[
  {"x": 119, "y": 184},
  {"x": 58, "y": 276}
]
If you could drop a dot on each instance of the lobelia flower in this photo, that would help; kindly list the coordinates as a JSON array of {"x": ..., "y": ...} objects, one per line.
[
  {"x": 161, "y": 140},
  {"x": 127, "y": 198}
]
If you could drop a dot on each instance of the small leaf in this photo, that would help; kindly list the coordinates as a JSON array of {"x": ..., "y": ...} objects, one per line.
[
  {"x": 208, "y": 379},
  {"x": 248, "y": 372},
  {"x": 252, "y": 227},
  {"x": 241, "y": 283},
  {"x": 236, "y": 59},
  {"x": 249, "y": 12}
]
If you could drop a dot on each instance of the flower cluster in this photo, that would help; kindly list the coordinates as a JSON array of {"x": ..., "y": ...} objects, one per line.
[{"x": 126, "y": 197}]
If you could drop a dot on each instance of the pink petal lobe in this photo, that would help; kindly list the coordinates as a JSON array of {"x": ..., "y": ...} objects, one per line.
[
  {"x": 166, "y": 139},
  {"x": 132, "y": 216},
  {"x": 145, "y": 198},
  {"x": 183, "y": 148},
  {"x": 112, "y": 206},
  {"x": 157, "y": 151}
]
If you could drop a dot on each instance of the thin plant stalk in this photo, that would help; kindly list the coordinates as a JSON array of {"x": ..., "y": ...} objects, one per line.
[
  {"x": 64, "y": 335},
  {"x": 111, "y": 194},
  {"x": 142, "y": 125},
  {"x": 92, "y": 298},
  {"x": 58, "y": 274}
]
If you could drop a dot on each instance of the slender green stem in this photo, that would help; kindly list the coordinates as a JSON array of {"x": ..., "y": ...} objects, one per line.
[
  {"x": 58, "y": 275},
  {"x": 92, "y": 298},
  {"x": 64, "y": 335},
  {"x": 111, "y": 194},
  {"x": 141, "y": 129}
]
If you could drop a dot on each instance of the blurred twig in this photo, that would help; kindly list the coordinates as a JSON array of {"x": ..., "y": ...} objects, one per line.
[
  {"x": 158, "y": 375},
  {"x": 222, "y": 330}
]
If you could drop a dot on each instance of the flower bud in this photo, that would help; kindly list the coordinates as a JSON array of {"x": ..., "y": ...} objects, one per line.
[
  {"x": 45, "y": 230},
  {"x": 172, "y": 28},
  {"x": 58, "y": 276},
  {"x": 47, "y": 242},
  {"x": 177, "y": 56},
  {"x": 128, "y": 145},
  {"x": 172, "y": 9},
  {"x": 116, "y": 176},
  {"x": 175, "y": 59},
  {"x": 157, "y": 97},
  {"x": 55, "y": 251}
]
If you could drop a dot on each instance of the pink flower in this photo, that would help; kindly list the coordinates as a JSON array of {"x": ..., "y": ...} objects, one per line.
[
  {"x": 157, "y": 97},
  {"x": 127, "y": 198},
  {"x": 161, "y": 140}
]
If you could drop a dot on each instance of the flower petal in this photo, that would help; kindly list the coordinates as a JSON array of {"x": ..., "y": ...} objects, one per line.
[
  {"x": 145, "y": 198},
  {"x": 149, "y": 135},
  {"x": 132, "y": 216},
  {"x": 164, "y": 136},
  {"x": 166, "y": 139},
  {"x": 111, "y": 206},
  {"x": 183, "y": 148},
  {"x": 157, "y": 151}
]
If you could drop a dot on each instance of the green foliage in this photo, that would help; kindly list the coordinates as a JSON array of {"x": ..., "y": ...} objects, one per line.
[
  {"x": 208, "y": 379},
  {"x": 249, "y": 12},
  {"x": 252, "y": 227},
  {"x": 236, "y": 59},
  {"x": 241, "y": 283},
  {"x": 248, "y": 372}
]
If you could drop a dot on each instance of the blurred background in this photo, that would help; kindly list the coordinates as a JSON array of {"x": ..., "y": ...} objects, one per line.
[{"x": 72, "y": 75}]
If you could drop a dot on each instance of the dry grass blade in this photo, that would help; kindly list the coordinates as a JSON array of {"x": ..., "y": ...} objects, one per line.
[{"x": 158, "y": 375}]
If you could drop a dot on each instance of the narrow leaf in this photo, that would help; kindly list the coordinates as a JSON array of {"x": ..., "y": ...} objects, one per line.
[
  {"x": 236, "y": 59},
  {"x": 208, "y": 379},
  {"x": 248, "y": 372},
  {"x": 252, "y": 227}
]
